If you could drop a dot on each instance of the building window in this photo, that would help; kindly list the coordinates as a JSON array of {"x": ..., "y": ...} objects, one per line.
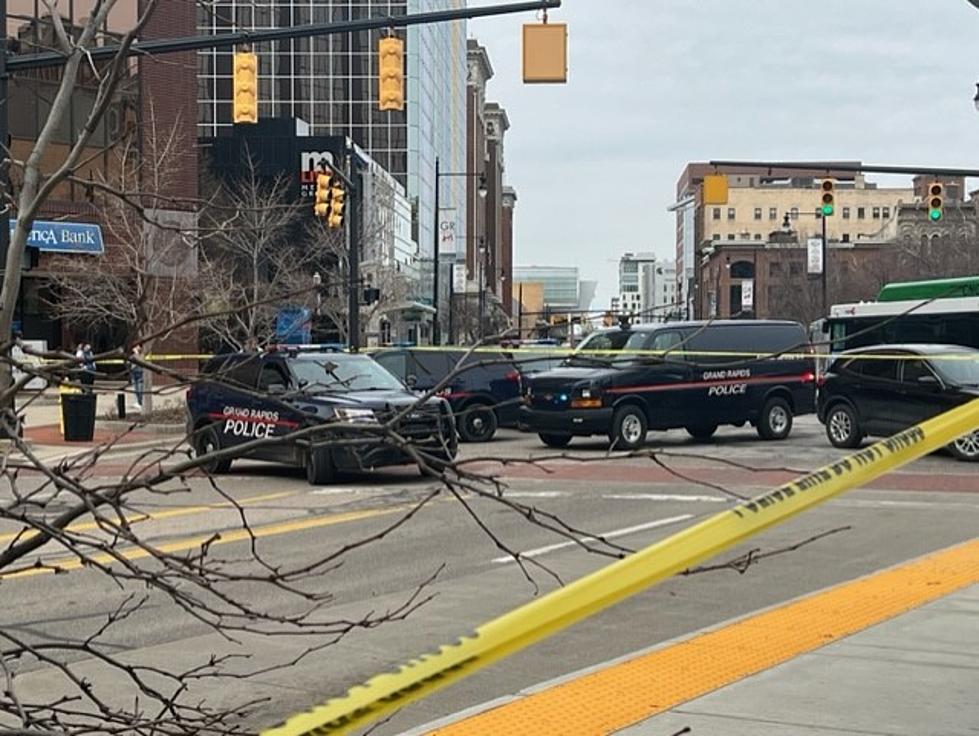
[
  {"x": 887, "y": 213},
  {"x": 773, "y": 213},
  {"x": 876, "y": 213},
  {"x": 757, "y": 236},
  {"x": 732, "y": 236},
  {"x": 775, "y": 268},
  {"x": 795, "y": 268},
  {"x": 730, "y": 213},
  {"x": 861, "y": 213},
  {"x": 846, "y": 213},
  {"x": 716, "y": 236},
  {"x": 757, "y": 213},
  {"x": 846, "y": 237},
  {"x": 717, "y": 213},
  {"x": 794, "y": 213}
]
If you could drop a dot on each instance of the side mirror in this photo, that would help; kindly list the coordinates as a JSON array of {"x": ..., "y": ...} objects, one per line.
[
  {"x": 276, "y": 389},
  {"x": 411, "y": 381}
]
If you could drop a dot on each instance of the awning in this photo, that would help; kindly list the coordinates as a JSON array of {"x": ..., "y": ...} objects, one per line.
[
  {"x": 407, "y": 306},
  {"x": 64, "y": 237}
]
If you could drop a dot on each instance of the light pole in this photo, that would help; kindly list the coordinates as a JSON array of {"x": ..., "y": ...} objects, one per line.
[
  {"x": 480, "y": 273},
  {"x": 824, "y": 265},
  {"x": 436, "y": 239}
]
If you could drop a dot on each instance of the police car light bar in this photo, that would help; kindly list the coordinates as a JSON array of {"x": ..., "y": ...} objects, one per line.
[{"x": 329, "y": 347}]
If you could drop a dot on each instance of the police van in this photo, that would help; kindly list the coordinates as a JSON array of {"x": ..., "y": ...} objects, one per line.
[
  {"x": 623, "y": 382},
  {"x": 295, "y": 399}
]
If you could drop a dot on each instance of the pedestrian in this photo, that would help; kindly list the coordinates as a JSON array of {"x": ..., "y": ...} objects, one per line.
[
  {"x": 136, "y": 376},
  {"x": 88, "y": 364}
]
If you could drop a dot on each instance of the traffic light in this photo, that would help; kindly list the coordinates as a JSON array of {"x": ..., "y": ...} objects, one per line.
[
  {"x": 335, "y": 220},
  {"x": 245, "y": 104},
  {"x": 391, "y": 65},
  {"x": 829, "y": 199},
  {"x": 321, "y": 207},
  {"x": 935, "y": 201}
]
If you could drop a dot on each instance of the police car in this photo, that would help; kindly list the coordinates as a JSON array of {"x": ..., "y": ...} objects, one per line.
[
  {"x": 693, "y": 375},
  {"x": 265, "y": 404}
]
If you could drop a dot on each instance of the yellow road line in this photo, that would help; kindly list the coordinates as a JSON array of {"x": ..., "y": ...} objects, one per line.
[
  {"x": 181, "y": 511},
  {"x": 214, "y": 539},
  {"x": 620, "y": 695}
]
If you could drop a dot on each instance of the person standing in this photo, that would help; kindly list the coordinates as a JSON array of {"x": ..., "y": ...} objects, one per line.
[
  {"x": 136, "y": 375},
  {"x": 88, "y": 364}
]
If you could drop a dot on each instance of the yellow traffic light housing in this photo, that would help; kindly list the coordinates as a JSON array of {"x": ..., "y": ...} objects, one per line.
[
  {"x": 321, "y": 207},
  {"x": 391, "y": 65},
  {"x": 828, "y": 201},
  {"x": 936, "y": 193},
  {"x": 335, "y": 219},
  {"x": 245, "y": 87}
]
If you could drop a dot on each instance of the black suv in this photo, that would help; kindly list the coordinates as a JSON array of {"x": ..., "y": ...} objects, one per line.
[
  {"x": 694, "y": 375},
  {"x": 485, "y": 390},
  {"x": 881, "y": 390},
  {"x": 244, "y": 397}
]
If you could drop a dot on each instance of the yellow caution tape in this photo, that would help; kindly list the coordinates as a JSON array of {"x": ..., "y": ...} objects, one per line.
[{"x": 559, "y": 609}]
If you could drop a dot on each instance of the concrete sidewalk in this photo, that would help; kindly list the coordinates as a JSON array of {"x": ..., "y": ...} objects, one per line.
[
  {"x": 894, "y": 653},
  {"x": 41, "y": 416},
  {"x": 914, "y": 675}
]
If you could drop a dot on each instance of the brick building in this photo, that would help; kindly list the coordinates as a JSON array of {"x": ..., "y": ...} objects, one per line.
[{"x": 156, "y": 97}]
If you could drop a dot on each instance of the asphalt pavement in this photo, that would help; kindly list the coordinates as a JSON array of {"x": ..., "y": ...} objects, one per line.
[{"x": 462, "y": 567}]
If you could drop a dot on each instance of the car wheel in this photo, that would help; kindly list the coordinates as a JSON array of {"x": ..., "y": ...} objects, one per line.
[
  {"x": 319, "y": 466},
  {"x": 477, "y": 423},
  {"x": 206, "y": 442},
  {"x": 775, "y": 421},
  {"x": 967, "y": 447},
  {"x": 629, "y": 428},
  {"x": 555, "y": 440},
  {"x": 842, "y": 427},
  {"x": 702, "y": 431}
]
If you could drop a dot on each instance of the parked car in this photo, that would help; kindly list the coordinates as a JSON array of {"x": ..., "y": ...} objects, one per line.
[
  {"x": 484, "y": 390},
  {"x": 881, "y": 390},
  {"x": 696, "y": 380},
  {"x": 249, "y": 396}
]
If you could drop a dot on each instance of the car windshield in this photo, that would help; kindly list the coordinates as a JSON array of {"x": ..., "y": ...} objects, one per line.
[
  {"x": 960, "y": 368},
  {"x": 342, "y": 373}
]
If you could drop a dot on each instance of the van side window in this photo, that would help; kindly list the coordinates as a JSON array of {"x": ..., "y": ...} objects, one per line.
[
  {"x": 396, "y": 363},
  {"x": 663, "y": 341}
]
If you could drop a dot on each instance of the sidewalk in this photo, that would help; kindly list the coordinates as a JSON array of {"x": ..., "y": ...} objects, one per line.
[
  {"x": 895, "y": 653},
  {"x": 42, "y": 429},
  {"x": 915, "y": 675}
]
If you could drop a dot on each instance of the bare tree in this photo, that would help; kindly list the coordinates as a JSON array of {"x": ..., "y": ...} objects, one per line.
[{"x": 254, "y": 259}]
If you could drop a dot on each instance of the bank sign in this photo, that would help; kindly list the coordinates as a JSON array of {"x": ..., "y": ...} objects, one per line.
[{"x": 64, "y": 237}]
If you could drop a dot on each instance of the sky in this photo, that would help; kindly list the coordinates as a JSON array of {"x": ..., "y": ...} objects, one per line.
[{"x": 654, "y": 84}]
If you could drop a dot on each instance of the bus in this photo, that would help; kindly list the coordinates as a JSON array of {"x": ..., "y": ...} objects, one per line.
[{"x": 939, "y": 311}]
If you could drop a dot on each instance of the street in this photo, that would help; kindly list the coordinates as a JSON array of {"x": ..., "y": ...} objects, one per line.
[{"x": 453, "y": 575}]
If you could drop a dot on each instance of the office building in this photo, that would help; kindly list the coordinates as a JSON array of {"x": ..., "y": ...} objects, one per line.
[
  {"x": 759, "y": 201},
  {"x": 330, "y": 83}
]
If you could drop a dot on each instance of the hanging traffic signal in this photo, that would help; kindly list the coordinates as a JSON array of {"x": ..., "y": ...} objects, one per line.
[
  {"x": 321, "y": 207},
  {"x": 245, "y": 87},
  {"x": 391, "y": 65},
  {"x": 335, "y": 220},
  {"x": 829, "y": 198},
  {"x": 935, "y": 201}
]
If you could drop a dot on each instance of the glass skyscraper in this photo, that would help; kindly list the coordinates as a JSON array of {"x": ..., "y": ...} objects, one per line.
[{"x": 331, "y": 83}]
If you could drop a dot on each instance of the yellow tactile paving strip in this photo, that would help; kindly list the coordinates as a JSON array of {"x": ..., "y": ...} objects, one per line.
[{"x": 622, "y": 694}]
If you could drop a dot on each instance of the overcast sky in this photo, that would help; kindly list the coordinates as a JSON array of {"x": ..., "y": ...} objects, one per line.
[{"x": 653, "y": 84}]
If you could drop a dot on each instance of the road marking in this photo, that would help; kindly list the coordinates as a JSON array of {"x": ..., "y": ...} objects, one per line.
[
  {"x": 535, "y": 494},
  {"x": 213, "y": 540},
  {"x": 617, "y": 694},
  {"x": 169, "y": 514},
  {"x": 665, "y": 497},
  {"x": 334, "y": 491},
  {"x": 607, "y": 535}
]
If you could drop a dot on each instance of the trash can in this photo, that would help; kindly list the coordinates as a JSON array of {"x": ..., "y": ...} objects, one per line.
[{"x": 78, "y": 416}]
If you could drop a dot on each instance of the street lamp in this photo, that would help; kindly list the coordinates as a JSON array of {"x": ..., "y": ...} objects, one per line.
[
  {"x": 975, "y": 100},
  {"x": 436, "y": 238},
  {"x": 823, "y": 269}
]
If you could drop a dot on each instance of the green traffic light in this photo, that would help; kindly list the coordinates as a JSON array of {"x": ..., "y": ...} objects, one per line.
[
  {"x": 827, "y": 210},
  {"x": 935, "y": 215}
]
